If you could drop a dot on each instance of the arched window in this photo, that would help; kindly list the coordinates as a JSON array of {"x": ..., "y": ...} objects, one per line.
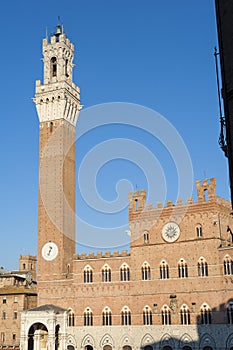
[
  {"x": 146, "y": 237},
  {"x": 184, "y": 315},
  {"x": 124, "y": 272},
  {"x": 164, "y": 270},
  {"x": 145, "y": 271},
  {"x": 166, "y": 315},
  {"x": 228, "y": 265},
  {"x": 167, "y": 347},
  {"x": 147, "y": 316},
  {"x": 107, "y": 317},
  {"x": 202, "y": 267},
  {"x": 125, "y": 316},
  {"x": 186, "y": 347},
  {"x": 88, "y": 274},
  {"x": 106, "y": 273},
  {"x": 70, "y": 318},
  {"x": 230, "y": 312},
  {"x": 182, "y": 269},
  {"x": 205, "y": 314},
  {"x": 53, "y": 67},
  {"x": 88, "y": 317},
  {"x": 199, "y": 231}
]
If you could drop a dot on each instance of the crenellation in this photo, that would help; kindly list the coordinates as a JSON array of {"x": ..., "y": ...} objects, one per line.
[
  {"x": 101, "y": 255},
  {"x": 169, "y": 204},
  {"x": 190, "y": 201}
]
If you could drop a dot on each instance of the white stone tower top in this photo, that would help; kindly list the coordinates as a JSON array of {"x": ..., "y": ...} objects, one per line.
[{"x": 58, "y": 97}]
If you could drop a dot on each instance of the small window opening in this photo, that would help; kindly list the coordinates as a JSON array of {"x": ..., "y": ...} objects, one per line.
[
  {"x": 136, "y": 205},
  {"x": 53, "y": 66},
  {"x": 51, "y": 126},
  {"x": 146, "y": 237},
  {"x": 199, "y": 231},
  {"x": 66, "y": 68},
  {"x": 206, "y": 193}
]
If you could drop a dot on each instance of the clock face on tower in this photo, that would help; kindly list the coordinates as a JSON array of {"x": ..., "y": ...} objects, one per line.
[
  {"x": 49, "y": 251},
  {"x": 170, "y": 232}
]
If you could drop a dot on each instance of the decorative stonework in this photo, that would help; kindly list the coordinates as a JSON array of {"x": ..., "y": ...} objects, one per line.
[{"x": 58, "y": 97}]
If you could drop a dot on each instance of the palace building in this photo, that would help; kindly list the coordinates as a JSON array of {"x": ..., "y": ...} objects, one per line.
[
  {"x": 17, "y": 293},
  {"x": 172, "y": 290}
]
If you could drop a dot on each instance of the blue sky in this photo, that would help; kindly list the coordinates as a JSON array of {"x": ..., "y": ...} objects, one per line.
[{"x": 153, "y": 53}]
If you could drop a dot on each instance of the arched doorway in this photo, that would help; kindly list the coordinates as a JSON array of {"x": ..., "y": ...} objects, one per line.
[
  {"x": 37, "y": 337},
  {"x": 208, "y": 348},
  {"x": 186, "y": 347},
  {"x": 167, "y": 347}
]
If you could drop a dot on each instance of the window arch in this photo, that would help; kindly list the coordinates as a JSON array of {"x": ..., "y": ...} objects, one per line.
[
  {"x": 107, "y": 316},
  {"x": 106, "y": 273},
  {"x": 53, "y": 67},
  {"x": 87, "y": 274},
  {"x": 125, "y": 316},
  {"x": 166, "y": 315},
  {"x": 182, "y": 269},
  {"x": 124, "y": 272},
  {"x": 70, "y": 318},
  {"x": 199, "y": 230},
  {"x": 88, "y": 317},
  {"x": 205, "y": 314},
  {"x": 202, "y": 267},
  {"x": 184, "y": 315},
  {"x": 146, "y": 271},
  {"x": 230, "y": 312},
  {"x": 147, "y": 316},
  {"x": 228, "y": 265},
  {"x": 164, "y": 270}
]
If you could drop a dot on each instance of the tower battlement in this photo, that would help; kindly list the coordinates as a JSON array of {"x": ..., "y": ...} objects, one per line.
[{"x": 206, "y": 193}]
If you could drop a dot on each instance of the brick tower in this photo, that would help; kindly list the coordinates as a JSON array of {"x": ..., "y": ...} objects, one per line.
[{"x": 58, "y": 104}]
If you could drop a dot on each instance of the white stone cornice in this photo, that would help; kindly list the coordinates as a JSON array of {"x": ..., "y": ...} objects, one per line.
[{"x": 57, "y": 101}]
